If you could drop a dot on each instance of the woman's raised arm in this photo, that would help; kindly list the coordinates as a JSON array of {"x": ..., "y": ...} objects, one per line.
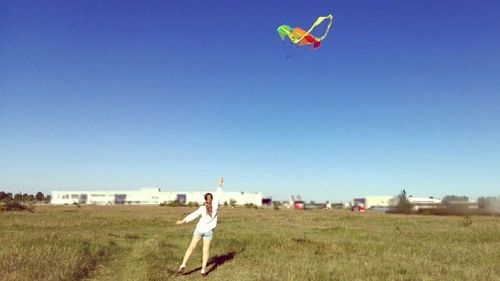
[{"x": 217, "y": 195}]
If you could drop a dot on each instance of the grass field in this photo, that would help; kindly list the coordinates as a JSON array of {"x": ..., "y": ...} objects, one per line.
[{"x": 143, "y": 243}]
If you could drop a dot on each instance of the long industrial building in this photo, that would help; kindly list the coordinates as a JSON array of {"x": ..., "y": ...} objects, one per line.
[{"x": 149, "y": 196}]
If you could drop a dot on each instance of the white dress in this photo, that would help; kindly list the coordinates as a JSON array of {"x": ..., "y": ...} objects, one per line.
[{"x": 206, "y": 222}]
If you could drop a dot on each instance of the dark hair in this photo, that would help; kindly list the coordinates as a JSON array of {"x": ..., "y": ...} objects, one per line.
[
  {"x": 206, "y": 194},
  {"x": 208, "y": 206}
]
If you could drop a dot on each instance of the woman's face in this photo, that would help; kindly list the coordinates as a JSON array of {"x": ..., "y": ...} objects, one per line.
[{"x": 209, "y": 199}]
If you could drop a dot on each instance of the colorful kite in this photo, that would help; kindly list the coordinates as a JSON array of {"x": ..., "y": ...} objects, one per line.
[{"x": 300, "y": 37}]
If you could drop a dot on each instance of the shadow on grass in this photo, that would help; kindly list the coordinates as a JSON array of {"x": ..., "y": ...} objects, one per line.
[{"x": 214, "y": 262}]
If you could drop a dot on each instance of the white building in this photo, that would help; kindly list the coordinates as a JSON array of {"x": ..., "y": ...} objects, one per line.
[
  {"x": 373, "y": 201},
  {"x": 420, "y": 203},
  {"x": 423, "y": 200},
  {"x": 148, "y": 196}
]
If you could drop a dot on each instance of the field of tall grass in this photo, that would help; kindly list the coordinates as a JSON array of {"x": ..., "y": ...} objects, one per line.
[{"x": 143, "y": 243}]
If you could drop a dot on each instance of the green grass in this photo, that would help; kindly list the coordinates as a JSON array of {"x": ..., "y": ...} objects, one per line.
[{"x": 143, "y": 243}]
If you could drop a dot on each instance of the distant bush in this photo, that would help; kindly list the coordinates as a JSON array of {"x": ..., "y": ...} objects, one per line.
[
  {"x": 178, "y": 204},
  {"x": 457, "y": 212},
  {"x": 232, "y": 202},
  {"x": 276, "y": 205},
  {"x": 250, "y": 205},
  {"x": 170, "y": 204},
  {"x": 193, "y": 204},
  {"x": 16, "y": 206},
  {"x": 467, "y": 221}
]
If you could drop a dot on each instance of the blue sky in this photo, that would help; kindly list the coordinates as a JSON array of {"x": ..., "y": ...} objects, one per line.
[{"x": 172, "y": 94}]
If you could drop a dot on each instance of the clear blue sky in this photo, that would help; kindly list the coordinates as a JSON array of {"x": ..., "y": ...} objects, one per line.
[{"x": 172, "y": 94}]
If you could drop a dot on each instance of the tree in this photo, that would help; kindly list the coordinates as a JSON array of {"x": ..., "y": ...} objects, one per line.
[
  {"x": 18, "y": 197},
  {"x": 7, "y": 197},
  {"x": 486, "y": 202},
  {"x": 482, "y": 202},
  {"x": 3, "y": 195},
  {"x": 404, "y": 204},
  {"x": 232, "y": 202},
  {"x": 39, "y": 196},
  {"x": 30, "y": 198},
  {"x": 454, "y": 199},
  {"x": 48, "y": 198}
]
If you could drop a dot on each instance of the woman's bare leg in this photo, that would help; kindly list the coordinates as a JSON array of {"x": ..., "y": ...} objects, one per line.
[
  {"x": 190, "y": 249},
  {"x": 206, "y": 250}
]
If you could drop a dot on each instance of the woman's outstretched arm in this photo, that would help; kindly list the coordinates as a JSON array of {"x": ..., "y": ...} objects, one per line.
[{"x": 190, "y": 217}]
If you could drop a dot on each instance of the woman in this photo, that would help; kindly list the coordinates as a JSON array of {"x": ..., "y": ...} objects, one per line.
[{"x": 204, "y": 228}]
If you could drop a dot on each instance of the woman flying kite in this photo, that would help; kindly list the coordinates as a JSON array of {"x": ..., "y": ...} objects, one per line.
[{"x": 205, "y": 227}]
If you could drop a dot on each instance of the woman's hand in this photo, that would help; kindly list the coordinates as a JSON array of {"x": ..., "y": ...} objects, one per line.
[
  {"x": 179, "y": 222},
  {"x": 221, "y": 181}
]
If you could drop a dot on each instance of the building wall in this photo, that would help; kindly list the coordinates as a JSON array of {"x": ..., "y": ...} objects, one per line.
[
  {"x": 378, "y": 201},
  {"x": 423, "y": 200},
  {"x": 374, "y": 201},
  {"x": 98, "y": 197},
  {"x": 148, "y": 196}
]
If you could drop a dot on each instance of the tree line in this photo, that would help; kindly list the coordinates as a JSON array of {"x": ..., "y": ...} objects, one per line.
[
  {"x": 24, "y": 197},
  {"x": 451, "y": 205}
]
